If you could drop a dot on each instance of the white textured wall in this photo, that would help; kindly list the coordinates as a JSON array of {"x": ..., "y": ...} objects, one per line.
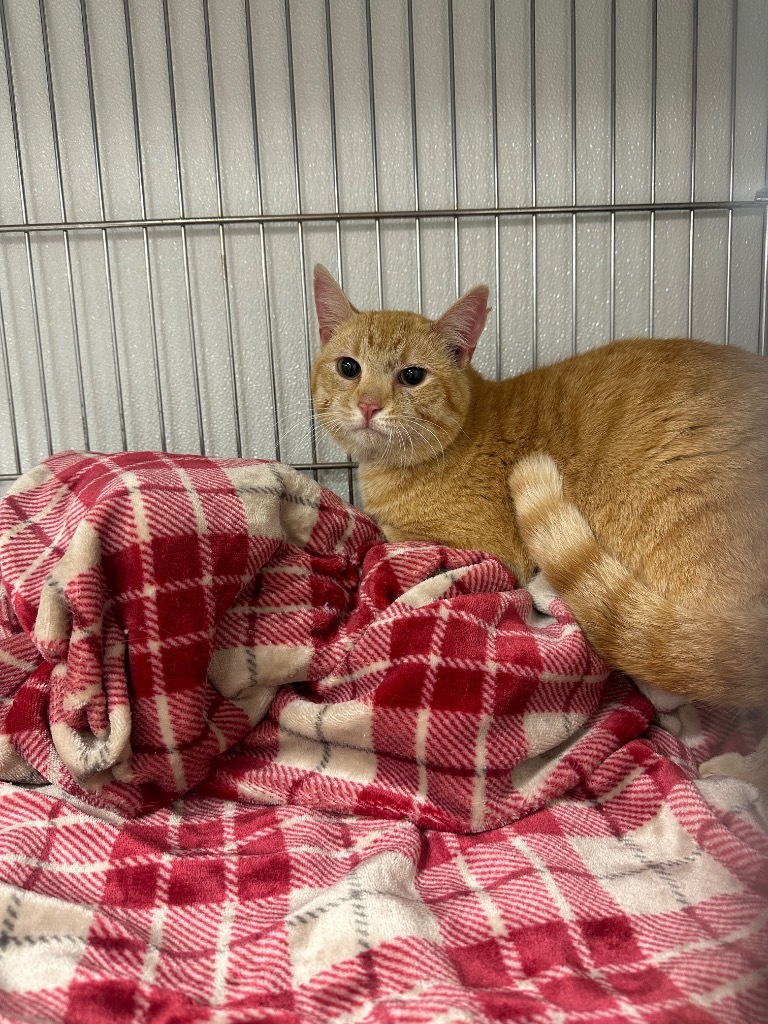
[{"x": 512, "y": 319}]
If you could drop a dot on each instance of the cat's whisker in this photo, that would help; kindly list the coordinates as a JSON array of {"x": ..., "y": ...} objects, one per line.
[
  {"x": 438, "y": 454},
  {"x": 401, "y": 433},
  {"x": 422, "y": 430},
  {"x": 302, "y": 424}
]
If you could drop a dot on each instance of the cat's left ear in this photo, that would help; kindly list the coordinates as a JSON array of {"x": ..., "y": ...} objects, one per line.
[
  {"x": 462, "y": 324},
  {"x": 332, "y": 305}
]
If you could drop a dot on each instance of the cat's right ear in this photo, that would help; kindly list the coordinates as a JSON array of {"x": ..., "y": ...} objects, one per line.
[
  {"x": 462, "y": 324},
  {"x": 332, "y": 305}
]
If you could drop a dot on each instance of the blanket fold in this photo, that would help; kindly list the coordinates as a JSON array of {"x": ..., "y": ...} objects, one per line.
[
  {"x": 171, "y": 619},
  {"x": 124, "y": 666},
  {"x": 473, "y": 820}
]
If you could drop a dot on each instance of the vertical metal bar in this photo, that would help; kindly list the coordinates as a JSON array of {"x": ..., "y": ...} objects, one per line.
[
  {"x": 262, "y": 235},
  {"x": 184, "y": 243},
  {"x": 734, "y": 68},
  {"x": 534, "y": 246},
  {"x": 334, "y": 136},
  {"x": 574, "y": 248},
  {"x": 9, "y": 388},
  {"x": 145, "y": 233},
  {"x": 63, "y": 207},
  {"x": 335, "y": 165},
  {"x": 415, "y": 151},
  {"x": 654, "y": 87},
  {"x": 694, "y": 102},
  {"x": 613, "y": 173},
  {"x": 103, "y": 213},
  {"x": 222, "y": 236},
  {"x": 374, "y": 148},
  {"x": 762, "y": 339},
  {"x": 27, "y": 240},
  {"x": 302, "y": 252},
  {"x": 454, "y": 146},
  {"x": 497, "y": 233}
]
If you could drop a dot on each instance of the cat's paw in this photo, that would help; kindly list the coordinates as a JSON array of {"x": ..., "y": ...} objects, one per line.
[
  {"x": 533, "y": 481},
  {"x": 749, "y": 767}
]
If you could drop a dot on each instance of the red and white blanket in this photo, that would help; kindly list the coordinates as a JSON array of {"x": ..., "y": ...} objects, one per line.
[{"x": 262, "y": 766}]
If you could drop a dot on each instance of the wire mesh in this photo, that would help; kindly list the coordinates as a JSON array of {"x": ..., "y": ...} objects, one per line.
[{"x": 169, "y": 172}]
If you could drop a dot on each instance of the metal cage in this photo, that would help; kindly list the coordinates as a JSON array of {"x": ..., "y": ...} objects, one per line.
[{"x": 170, "y": 171}]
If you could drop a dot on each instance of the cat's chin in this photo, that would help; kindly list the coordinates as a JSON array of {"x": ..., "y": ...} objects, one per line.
[
  {"x": 366, "y": 444},
  {"x": 377, "y": 447},
  {"x": 370, "y": 447}
]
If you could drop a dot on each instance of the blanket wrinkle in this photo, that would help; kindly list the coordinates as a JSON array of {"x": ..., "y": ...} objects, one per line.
[
  {"x": 599, "y": 907},
  {"x": 164, "y": 612},
  {"x": 263, "y": 766},
  {"x": 120, "y": 580}
]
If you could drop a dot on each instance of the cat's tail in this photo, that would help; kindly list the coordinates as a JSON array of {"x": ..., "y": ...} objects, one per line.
[{"x": 698, "y": 654}]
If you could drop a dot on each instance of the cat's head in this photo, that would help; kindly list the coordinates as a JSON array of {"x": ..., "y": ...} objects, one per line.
[{"x": 391, "y": 388}]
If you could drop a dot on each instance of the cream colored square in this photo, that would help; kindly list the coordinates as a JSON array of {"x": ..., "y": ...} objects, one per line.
[
  {"x": 656, "y": 868},
  {"x": 52, "y": 936},
  {"x": 279, "y": 502},
  {"x": 236, "y": 671},
  {"x": 547, "y": 729},
  {"x": 432, "y": 589},
  {"x": 372, "y": 904},
  {"x": 334, "y": 739}
]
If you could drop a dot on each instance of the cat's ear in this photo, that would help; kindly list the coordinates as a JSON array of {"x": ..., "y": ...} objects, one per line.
[
  {"x": 332, "y": 305},
  {"x": 462, "y": 324}
]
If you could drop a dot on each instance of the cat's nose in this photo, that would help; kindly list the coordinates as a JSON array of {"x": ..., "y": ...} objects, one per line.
[{"x": 369, "y": 410}]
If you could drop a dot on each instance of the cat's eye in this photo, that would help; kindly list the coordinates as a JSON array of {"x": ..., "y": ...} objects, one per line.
[
  {"x": 412, "y": 375},
  {"x": 347, "y": 367}
]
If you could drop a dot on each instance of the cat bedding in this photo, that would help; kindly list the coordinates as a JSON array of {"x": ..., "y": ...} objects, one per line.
[{"x": 261, "y": 766}]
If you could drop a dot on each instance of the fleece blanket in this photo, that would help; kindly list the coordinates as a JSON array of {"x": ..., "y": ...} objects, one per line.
[{"x": 262, "y": 766}]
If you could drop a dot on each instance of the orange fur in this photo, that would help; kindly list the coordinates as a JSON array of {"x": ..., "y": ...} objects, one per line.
[{"x": 648, "y": 516}]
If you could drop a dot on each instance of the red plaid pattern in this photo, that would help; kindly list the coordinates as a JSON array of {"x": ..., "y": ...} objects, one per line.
[
  {"x": 155, "y": 605},
  {"x": 639, "y": 904},
  {"x": 473, "y": 820},
  {"x": 130, "y": 581}
]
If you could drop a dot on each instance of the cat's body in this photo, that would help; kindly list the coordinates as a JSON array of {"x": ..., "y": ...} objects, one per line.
[
  {"x": 648, "y": 510},
  {"x": 640, "y": 471}
]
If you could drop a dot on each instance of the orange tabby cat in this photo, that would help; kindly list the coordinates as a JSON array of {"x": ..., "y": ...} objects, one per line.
[{"x": 635, "y": 476}]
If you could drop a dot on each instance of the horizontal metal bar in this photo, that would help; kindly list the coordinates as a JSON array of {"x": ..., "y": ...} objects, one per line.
[
  {"x": 368, "y": 215},
  {"x": 303, "y": 466},
  {"x": 322, "y": 465}
]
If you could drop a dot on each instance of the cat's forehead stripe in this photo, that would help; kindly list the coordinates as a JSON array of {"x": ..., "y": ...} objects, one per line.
[{"x": 395, "y": 339}]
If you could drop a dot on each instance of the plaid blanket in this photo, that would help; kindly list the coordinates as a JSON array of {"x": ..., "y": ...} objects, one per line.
[{"x": 263, "y": 767}]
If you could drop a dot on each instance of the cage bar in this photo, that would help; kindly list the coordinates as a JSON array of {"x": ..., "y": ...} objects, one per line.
[
  {"x": 454, "y": 146},
  {"x": 415, "y": 155},
  {"x": 534, "y": 194},
  {"x": 374, "y": 150},
  {"x": 694, "y": 106},
  {"x": 574, "y": 183},
  {"x": 222, "y": 238},
  {"x": 302, "y": 249},
  {"x": 184, "y": 240},
  {"x": 65, "y": 234},
  {"x": 144, "y": 229},
  {"x": 496, "y": 218},
  {"x": 654, "y": 129},
  {"x": 335, "y": 170},
  {"x": 27, "y": 239},
  {"x": 190, "y": 277},
  {"x": 261, "y": 225},
  {"x": 104, "y": 235},
  {"x": 612, "y": 297},
  {"x": 731, "y": 166}
]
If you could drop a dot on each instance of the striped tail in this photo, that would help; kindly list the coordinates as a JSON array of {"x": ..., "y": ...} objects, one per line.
[{"x": 697, "y": 654}]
